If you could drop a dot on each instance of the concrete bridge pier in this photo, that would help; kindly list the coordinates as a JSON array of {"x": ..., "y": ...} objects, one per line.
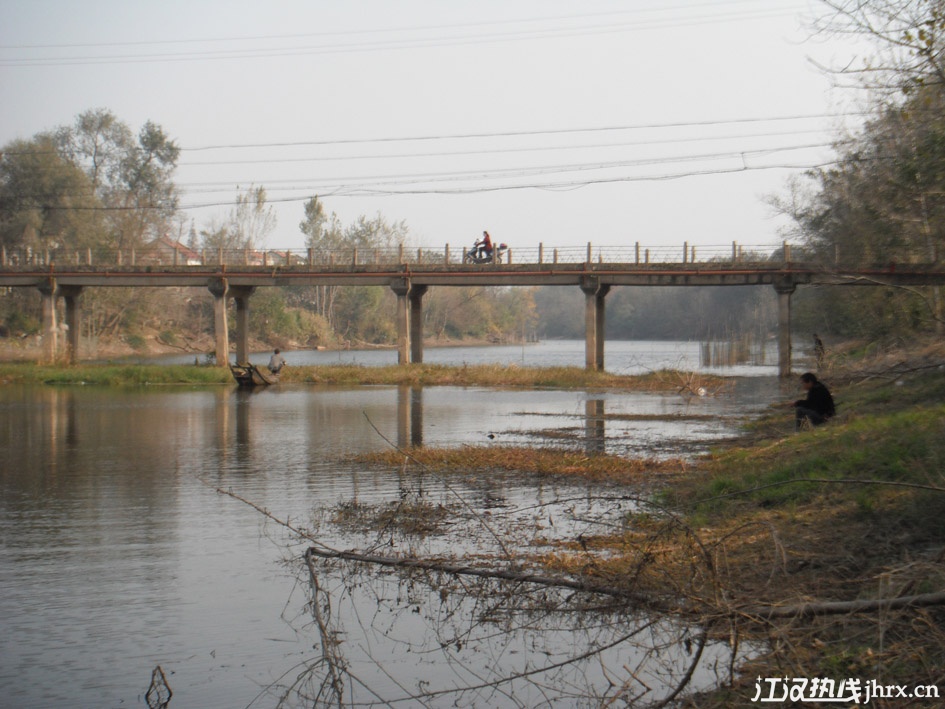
[
  {"x": 401, "y": 288},
  {"x": 416, "y": 323},
  {"x": 785, "y": 289},
  {"x": 49, "y": 290},
  {"x": 219, "y": 288},
  {"x": 594, "y": 321},
  {"x": 70, "y": 294},
  {"x": 241, "y": 295}
]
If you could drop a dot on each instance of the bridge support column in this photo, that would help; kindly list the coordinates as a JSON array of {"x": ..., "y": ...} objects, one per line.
[
  {"x": 241, "y": 295},
  {"x": 401, "y": 288},
  {"x": 73, "y": 321},
  {"x": 416, "y": 323},
  {"x": 50, "y": 291},
  {"x": 219, "y": 288},
  {"x": 785, "y": 290},
  {"x": 594, "y": 321}
]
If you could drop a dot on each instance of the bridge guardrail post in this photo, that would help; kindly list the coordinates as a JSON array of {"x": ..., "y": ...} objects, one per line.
[
  {"x": 734, "y": 252},
  {"x": 541, "y": 252},
  {"x": 446, "y": 255},
  {"x": 556, "y": 257},
  {"x": 590, "y": 253},
  {"x": 693, "y": 258},
  {"x": 685, "y": 251},
  {"x": 636, "y": 253},
  {"x": 400, "y": 253},
  {"x": 647, "y": 256}
]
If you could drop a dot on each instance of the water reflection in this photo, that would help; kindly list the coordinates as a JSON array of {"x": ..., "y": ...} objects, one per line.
[
  {"x": 594, "y": 434},
  {"x": 409, "y": 416},
  {"x": 117, "y": 557}
]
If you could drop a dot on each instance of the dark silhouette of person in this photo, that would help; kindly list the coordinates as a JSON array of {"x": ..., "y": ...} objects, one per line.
[{"x": 817, "y": 407}]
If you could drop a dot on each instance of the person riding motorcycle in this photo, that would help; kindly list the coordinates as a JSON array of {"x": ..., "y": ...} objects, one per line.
[{"x": 485, "y": 245}]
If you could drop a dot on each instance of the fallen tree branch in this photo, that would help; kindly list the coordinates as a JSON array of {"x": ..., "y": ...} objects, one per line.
[
  {"x": 500, "y": 574},
  {"x": 843, "y": 607},
  {"x": 663, "y": 605}
]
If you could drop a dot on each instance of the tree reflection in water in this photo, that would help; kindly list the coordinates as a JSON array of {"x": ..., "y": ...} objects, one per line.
[{"x": 441, "y": 629}]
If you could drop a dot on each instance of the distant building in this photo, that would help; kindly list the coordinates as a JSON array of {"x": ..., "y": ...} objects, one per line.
[{"x": 164, "y": 250}]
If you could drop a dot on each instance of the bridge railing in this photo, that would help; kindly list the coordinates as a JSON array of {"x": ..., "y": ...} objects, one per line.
[{"x": 170, "y": 254}]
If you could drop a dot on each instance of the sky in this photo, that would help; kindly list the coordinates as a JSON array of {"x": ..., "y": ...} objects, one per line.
[{"x": 542, "y": 121}]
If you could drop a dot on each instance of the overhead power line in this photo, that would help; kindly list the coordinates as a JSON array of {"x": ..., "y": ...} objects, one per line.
[
  {"x": 714, "y": 4},
  {"x": 522, "y": 133},
  {"x": 503, "y": 134},
  {"x": 401, "y": 43}
]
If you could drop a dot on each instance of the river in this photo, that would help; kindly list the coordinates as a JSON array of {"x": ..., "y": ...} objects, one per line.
[{"x": 119, "y": 554}]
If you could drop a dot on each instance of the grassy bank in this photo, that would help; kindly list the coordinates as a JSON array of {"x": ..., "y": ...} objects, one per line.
[
  {"x": 111, "y": 374},
  {"x": 414, "y": 374},
  {"x": 852, "y": 511}
]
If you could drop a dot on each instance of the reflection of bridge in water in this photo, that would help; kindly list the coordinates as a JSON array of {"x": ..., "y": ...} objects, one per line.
[{"x": 237, "y": 274}]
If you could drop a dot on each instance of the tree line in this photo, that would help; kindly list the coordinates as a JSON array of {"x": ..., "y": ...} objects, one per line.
[
  {"x": 96, "y": 185},
  {"x": 883, "y": 199}
]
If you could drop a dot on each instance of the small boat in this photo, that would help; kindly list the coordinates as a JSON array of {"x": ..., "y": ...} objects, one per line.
[{"x": 250, "y": 375}]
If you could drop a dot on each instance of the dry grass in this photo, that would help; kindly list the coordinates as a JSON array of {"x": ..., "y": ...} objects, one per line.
[
  {"x": 489, "y": 375},
  {"x": 538, "y": 461}
]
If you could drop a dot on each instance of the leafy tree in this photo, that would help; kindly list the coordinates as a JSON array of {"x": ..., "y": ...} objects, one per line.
[
  {"x": 131, "y": 175},
  {"x": 883, "y": 201},
  {"x": 46, "y": 202},
  {"x": 252, "y": 220}
]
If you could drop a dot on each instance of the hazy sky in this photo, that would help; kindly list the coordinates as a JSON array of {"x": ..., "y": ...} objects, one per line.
[{"x": 607, "y": 116}]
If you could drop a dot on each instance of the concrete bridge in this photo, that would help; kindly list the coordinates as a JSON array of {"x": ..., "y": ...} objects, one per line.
[{"x": 237, "y": 274}]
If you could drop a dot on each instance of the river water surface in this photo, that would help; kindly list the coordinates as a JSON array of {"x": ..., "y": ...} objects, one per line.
[{"x": 119, "y": 554}]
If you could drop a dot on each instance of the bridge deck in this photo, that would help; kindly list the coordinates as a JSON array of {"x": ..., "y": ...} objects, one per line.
[{"x": 518, "y": 274}]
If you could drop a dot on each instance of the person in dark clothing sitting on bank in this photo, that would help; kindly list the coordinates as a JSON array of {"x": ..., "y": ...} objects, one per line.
[{"x": 818, "y": 407}]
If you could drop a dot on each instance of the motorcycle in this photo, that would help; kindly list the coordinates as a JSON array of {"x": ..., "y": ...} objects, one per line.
[{"x": 495, "y": 256}]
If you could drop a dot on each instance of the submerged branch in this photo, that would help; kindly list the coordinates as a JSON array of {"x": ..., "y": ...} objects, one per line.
[{"x": 500, "y": 574}]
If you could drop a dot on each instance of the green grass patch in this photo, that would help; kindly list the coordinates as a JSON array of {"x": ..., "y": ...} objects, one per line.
[
  {"x": 887, "y": 433},
  {"x": 107, "y": 374},
  {"x": 356, "y": 375}
]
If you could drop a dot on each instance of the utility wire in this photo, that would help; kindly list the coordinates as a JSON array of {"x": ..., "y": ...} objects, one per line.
[
  {"x": 493, "y": 151},
  {"x": 419, "y": 28}
]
